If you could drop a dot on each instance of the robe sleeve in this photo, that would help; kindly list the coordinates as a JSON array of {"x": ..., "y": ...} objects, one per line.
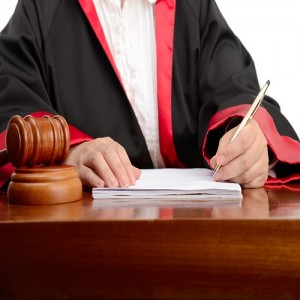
[
  {"x": 24, "y": 82},
  {"x": 228, "y": 83}
]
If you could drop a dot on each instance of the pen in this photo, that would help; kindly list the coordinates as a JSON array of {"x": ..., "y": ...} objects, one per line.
[{"x": 250, "y": 114}]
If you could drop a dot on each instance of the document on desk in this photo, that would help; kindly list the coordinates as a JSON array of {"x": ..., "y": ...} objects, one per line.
[{"x": 190, "y": 184}]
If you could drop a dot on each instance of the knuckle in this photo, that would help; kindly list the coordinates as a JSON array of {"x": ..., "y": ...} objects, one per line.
[
  {"x": 127, "y": 165},
  {"x": 98, "y": 141},
  {"x": 255, "y": 181},
  {"x": 263, "y": 178},
  {"x": 248, "y": 185},
  {"x": 108, "y": 140},
  {"x": 244, "y": 178},
  {"x": 106, "y": 150},
  {"x": 253, "y": 184},
  {"x": 106, "y": 173},
  {"x": 112, "y": 178},
  {"x": 244, "y": 143},
  {"x": 102, "y": 140},
  {"x": 84, "y": 150},
  {"x": 81, "y": 159},
  {"x": 244, "y": 162},
  {"x": 119, "y": 167},
  {"x": 85, "y": 176},
  {"x": 119, "y": 147},
  {"x": 89, "y": 178},
  {"x": 94, "y": 157}
]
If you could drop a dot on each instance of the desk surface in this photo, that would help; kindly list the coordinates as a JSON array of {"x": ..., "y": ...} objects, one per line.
[
  {"x": 263, "y": 204},
  {"x": 81, "y": 250}
]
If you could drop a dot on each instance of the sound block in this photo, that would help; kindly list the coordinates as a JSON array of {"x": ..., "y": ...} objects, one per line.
[{"x": 43, "y": 185}]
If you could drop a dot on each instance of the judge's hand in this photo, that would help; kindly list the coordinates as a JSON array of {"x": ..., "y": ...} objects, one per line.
[
  {"x": 103, "y": 162},
  {"x": 245, "y": 160}
]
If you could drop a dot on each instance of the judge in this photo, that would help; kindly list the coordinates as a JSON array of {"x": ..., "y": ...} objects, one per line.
[{"x": 142, "y": 84}]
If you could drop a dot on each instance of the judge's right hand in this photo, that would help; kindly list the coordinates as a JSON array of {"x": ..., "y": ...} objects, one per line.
[{"x": 103, "y": 162}]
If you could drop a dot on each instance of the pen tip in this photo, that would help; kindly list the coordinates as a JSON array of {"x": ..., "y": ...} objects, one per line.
[{"x": 268, "y": 82}]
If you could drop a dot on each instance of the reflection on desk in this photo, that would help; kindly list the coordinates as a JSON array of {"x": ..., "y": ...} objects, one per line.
[{"x": 283, "y": 202}]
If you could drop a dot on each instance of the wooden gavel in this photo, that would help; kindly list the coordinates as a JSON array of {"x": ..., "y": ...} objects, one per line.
[
  {"x": 37, "y": 147},
  {"x": 31, "y": 141}
]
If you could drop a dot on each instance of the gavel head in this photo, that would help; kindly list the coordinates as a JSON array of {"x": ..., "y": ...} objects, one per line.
[{"x": 31, "y": 141}]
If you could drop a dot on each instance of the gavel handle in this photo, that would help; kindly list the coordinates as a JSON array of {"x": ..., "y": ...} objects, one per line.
[{"x": 3, "y": 158}]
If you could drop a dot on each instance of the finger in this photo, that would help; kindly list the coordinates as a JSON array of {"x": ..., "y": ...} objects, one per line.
[
  {"x": 223, "y": 143},
  {"x": 114, "y": 155},
  {"x": 236, "y": 167},
  {"x": 126, "y": 163},
  {"x": 258, "y": 182},
  {"x": 137, "y": 172},
  {"x": 228, "y": 151},
  {"x": 89, "y": 178},
  {"x": 114, "y": 162},
  {"x": 98, "y": 164},
  {"x": 242, "y": 144},
  {"x": 257, "y": 171},
  {"x": 256, "y": 176}
]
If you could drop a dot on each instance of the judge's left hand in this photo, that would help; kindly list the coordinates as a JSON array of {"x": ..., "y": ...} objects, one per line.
[
  {"x": 245, "y": 160},
  {"x": 103, "y": 162}
]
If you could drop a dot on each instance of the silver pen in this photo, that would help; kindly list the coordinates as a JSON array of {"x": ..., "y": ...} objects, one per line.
[{"x": 250, "y": 114}]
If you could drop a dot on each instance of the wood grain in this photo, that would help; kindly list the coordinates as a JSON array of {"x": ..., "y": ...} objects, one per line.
[{"x": 81, "y": 250}]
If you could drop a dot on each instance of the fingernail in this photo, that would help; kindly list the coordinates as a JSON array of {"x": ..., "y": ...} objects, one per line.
[
  {"x": 124, "y": 182},
  {"x": 99, "y": 184},
  {"x": 113, "y": 183},
  {"x": 132, "y": 180},
  {"x": 220, "y": 159}
]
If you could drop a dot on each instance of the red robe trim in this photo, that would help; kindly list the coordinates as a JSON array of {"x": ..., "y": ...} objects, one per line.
[
  {"x": 76, "y": 137},
  {"x": 165, "y": 17},
  {"x": 285, "y": 148},
  {"x": 7, "y": 169},
  {"x": 165, "y": 20}
]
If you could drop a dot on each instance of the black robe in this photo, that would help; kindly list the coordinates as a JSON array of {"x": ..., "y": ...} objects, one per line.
[{"x": 54, "y": 59}]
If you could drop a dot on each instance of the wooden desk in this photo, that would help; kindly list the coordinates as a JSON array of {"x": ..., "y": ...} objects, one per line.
[{"x": 82, "y": 251}]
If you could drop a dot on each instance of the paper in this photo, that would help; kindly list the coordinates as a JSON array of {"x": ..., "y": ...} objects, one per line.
[{"x": 156, "y": 184}]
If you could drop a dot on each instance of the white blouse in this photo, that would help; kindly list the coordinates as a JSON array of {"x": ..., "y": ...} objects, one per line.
[{"x": 130, "y": 34}]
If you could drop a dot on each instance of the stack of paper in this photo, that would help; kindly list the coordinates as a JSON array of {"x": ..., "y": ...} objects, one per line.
[{"x": 173, "y": 184}]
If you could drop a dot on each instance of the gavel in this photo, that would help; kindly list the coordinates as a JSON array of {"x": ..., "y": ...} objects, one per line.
[
  {"x": 37, "y": 147},
  {"x": 31, "y": 141}
]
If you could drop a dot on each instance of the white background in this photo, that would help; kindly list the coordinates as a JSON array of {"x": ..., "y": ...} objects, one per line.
[{"x": 270, "y": 30}]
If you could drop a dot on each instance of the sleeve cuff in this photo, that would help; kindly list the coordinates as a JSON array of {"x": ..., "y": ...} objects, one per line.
[{"x": 286, "y": 150}]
